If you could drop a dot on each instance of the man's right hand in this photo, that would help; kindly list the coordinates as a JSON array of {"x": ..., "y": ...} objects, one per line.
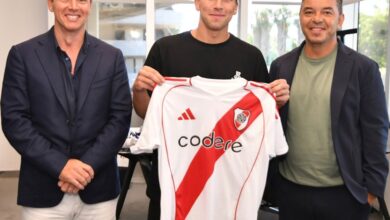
[
  {"x": 147, "y": 79},
  {"x": 77, "y": 173}
]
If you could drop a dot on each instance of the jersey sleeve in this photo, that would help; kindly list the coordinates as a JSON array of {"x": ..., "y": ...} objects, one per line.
[
  {"x": 274, "y": 136},
  {"x": 151, "y": 135}
]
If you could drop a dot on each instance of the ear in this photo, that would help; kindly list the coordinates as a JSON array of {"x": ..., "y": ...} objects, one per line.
[
  {"x": 197, "y": 5},
  {"x": 50, "y": 5},
  {"x": 340, "y": 21}
]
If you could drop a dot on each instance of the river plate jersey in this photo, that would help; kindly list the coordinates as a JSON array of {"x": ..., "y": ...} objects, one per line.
[{"x": 214, "y": 140}]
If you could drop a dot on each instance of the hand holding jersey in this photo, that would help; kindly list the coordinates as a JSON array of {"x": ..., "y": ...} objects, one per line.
[
  {"x": 281, "y": 91},
  {"x": 148, "y": 78}
]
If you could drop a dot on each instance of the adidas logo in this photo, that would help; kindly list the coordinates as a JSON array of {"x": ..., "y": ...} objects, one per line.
[{"x": 186, "y": 115}]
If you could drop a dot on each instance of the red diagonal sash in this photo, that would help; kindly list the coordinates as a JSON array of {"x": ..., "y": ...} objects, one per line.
[{"x": 202, "y": 166}]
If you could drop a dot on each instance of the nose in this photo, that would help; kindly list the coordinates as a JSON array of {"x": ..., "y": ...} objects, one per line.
[
  {"x": 73, "y": 4},
  {"x": 218, "y": 4},
  {"x": 317, "y": 17}
]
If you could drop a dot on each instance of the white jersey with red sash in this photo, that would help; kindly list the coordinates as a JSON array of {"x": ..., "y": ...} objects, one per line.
[{"x": 214, "y": 140}]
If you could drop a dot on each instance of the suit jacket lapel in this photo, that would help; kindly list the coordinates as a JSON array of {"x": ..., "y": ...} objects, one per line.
[
  {"x": 290, "y": 67},
  {"x": 49, "y": 61},
  {"x": 341, "y": 76},
  {"x": 89, "y": 71},
  {"x": 287, "y": 72}
]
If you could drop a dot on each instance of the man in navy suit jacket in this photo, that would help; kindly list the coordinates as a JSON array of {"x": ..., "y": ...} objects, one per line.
[
  {"x": 336, "y": 123},
  {"x": 66, "y": 109}
]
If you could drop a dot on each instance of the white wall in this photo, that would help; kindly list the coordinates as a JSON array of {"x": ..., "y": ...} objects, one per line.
[{"x": 19, "y": 21}]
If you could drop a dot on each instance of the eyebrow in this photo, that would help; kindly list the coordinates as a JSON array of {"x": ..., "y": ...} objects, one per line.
[
  {"x": 311, "y": 8},
  {"x": 328, "y": 8}
]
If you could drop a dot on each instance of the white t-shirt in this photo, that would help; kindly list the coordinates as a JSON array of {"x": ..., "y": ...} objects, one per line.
[{"x": 214, "y": 140}]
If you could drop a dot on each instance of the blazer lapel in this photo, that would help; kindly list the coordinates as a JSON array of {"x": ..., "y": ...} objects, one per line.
[
  {"x": 49, "y": 61},
  {"x": 291, "y": 66},
  {"x": 341, "y": 76},
  {"x": 89, "y": 71},
  {"x": 287, "y": 72}
]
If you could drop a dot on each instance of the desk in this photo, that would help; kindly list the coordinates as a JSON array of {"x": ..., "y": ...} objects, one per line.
[{"x": 145, "y": 163}]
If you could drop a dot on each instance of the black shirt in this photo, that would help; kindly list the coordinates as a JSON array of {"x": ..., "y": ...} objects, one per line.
[
  {"x": 71, "y": 81},
  {"x": 184, "y": 56}
]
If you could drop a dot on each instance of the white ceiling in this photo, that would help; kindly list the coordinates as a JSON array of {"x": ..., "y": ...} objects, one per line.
[{"x": 178, "y": 1}]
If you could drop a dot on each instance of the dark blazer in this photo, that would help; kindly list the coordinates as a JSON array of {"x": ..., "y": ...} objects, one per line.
[
  {"x": 359, "y": 119},
  {"x": 36, "y": 120}
]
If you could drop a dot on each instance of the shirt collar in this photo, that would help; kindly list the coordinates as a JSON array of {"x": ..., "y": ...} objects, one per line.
[{"x": 84, "y": 47}]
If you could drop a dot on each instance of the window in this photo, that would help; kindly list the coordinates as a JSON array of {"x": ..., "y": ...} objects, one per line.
[
  {"x": 121, "y": 24},
  {"x": 373, "y": 32},
  {"x": 271, "y": 25},
  {"x": 174, "y": 16},
  {"x": 351, "y": 13},
  {"x": 274, "y": 28}
]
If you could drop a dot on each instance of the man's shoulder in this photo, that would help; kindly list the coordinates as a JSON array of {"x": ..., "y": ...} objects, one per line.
[
  {"x": 243, "y": 45},
  {"x": 173, "y": 39},
  {"x": 288, "y": 57},
  {"x": 359, "y": 57},
  {"x": 45, "y": 38},
  {"x": 102, "y": 45},
  {"x": 42, "y": 38}
]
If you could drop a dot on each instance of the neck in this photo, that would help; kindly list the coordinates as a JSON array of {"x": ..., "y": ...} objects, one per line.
[
  {"x": 318, "y": 51},
  {"x": 69, "y": 41},
  {"x": 210, "y": 36}
]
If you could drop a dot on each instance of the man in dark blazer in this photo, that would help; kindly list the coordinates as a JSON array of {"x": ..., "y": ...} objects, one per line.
[
  {"x": 336, "y": 123},
  {"x": 66, "y": 108}
]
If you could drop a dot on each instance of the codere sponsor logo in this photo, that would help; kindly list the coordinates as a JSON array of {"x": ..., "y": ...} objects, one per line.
[{"x": 210, "y": 141}]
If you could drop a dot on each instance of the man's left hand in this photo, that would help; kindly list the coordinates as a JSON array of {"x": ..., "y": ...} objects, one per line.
[
  {"x": 67, "y": 187},
  {"x": 281, "y": 90}
]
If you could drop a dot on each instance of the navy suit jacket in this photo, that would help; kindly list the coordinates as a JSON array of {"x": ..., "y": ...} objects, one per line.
[
  {"x": 359, "y": 119},
  {"x": 36, "y": 120}
]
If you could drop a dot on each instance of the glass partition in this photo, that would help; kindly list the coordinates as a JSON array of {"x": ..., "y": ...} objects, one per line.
[
  {"x": 274, "y": 28},
  {"x": 373, "y": 32},
  {"x": 177, "y": 16},
  {"x": 122, "y": 24}
]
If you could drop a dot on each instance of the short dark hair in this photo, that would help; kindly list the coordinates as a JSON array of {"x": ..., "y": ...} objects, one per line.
[{"x": 339, "y": 5}]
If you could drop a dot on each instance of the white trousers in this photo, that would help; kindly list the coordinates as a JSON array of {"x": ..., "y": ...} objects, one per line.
[{"x": 72, "y": 208}]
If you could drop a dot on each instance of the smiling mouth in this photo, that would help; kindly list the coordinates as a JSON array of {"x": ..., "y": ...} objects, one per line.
[
  {"x": 317, "y": 29},
  {"x": 217, "y": 15},
  {"x": 72, "y": 17}
]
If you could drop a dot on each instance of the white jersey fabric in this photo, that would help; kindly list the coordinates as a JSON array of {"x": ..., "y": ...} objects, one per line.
[{"x": 214, "y": 140}]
